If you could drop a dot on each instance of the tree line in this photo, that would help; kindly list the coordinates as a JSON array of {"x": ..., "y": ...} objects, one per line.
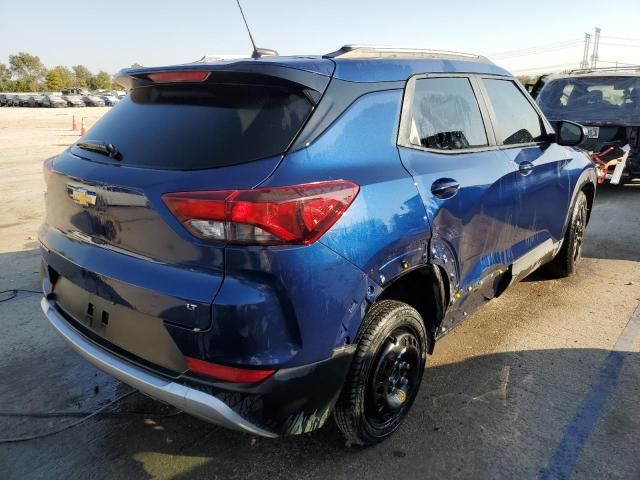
[{"x": 27, "y": 73}]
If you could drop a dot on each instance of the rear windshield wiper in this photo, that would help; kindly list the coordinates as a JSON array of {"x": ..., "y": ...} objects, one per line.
[{"x": 100, "y": 147}]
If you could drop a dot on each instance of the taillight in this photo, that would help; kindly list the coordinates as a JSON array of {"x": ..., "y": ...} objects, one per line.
[
  {"x": 179, "y": 76},
  {"x": 267, "y": 216},
  {"x": 228, "y": 374}
]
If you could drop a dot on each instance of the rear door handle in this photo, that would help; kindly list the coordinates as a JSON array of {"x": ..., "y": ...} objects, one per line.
[
  {"x": 445, "y": 187},
  {"x": 525, "y": 168}
]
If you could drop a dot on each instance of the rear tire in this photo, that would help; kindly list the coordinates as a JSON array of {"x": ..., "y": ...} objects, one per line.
[
  {"x": 566, "y": 261},
  {"x": 385, "y": 375}
]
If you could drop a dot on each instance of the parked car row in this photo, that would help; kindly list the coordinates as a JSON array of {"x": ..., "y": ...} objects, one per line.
[{"x": 52, "y": 101}]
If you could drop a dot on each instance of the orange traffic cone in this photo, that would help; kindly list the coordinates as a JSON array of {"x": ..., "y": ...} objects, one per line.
[
  {"x": 74, "y": 125},
  {"x": 83, "y": 128}
]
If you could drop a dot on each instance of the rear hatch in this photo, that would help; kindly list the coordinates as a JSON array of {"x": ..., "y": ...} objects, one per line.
[{"x": 108, "y": 231}]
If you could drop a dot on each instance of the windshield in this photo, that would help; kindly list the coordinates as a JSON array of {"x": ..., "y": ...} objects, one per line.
[
  {"x": 188, "y": 127},
  {"x": 592, "y": 100}
]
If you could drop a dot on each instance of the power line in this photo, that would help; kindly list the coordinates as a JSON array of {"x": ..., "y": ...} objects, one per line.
[
  {"x": 546, "y": 67},
  {"x": 538, "y": 48},
  {"x": 622, "y": 38},
  {"x": 567, "y": 44},
  {"x": 536, "y": 52},
  {"x": 546, "y": 45},
  {"x": 619, "y": 45},
  {"x": 619, "y": 63}
]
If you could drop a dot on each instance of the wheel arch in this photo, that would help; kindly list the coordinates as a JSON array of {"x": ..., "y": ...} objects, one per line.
[
  {"x": 585, "y": 183},
  {"x": 589, "y": 190},
  {"x": 424, "y": 288}
]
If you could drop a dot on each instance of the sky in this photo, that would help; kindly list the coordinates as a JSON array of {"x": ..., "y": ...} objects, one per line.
[{"x": 114, "y": 34}]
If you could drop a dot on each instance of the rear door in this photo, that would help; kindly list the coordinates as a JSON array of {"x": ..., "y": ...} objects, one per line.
[
  {"x": 543, "y": 181},
  {"x": 107, "y": 229},
  {"x": 465, "y": 181}
]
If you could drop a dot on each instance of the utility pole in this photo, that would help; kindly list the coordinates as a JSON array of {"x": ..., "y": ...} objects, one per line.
[
  {"x": 596, "y": 44},
  {"x": 585, "y": 54}
]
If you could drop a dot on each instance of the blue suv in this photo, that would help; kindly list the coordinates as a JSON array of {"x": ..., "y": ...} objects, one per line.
[{"x": 263, "y": 242}]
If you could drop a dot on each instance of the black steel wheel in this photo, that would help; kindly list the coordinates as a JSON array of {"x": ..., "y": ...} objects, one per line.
[
  {"x": 578, "y": 233},
  {"x": 566, "y": 261},
  {"x": 385, "y": 374}
]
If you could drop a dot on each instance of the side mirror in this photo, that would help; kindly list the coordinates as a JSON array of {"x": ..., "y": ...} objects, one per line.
[{"x": 570, "y": 134}]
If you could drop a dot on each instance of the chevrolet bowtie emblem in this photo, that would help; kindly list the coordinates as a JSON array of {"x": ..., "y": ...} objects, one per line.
[{"x": 82, "y": 196}]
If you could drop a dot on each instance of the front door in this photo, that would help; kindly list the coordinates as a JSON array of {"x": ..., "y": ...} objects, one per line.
[{"x": 543, "y": 182}]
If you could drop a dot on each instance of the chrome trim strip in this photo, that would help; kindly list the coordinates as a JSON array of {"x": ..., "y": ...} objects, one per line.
[
  {"x": 192, "y": 401},
  {"x": 534, "y": 258}
]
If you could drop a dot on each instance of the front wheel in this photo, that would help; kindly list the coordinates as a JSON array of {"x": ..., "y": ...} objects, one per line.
[
  {"x": 385, "y": 374},
  {"x": 566, "y": 261}
]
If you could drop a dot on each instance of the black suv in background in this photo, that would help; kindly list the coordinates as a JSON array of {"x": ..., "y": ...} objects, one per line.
[{"x": 608, "y": 104}]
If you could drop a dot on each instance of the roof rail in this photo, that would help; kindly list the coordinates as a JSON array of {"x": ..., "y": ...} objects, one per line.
[
  {"x": 606, "y": 69},
  {"x": 377, "y": 51}
]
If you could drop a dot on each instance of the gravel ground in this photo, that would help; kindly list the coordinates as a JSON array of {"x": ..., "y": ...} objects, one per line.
[{"x": 28, "y": 136}]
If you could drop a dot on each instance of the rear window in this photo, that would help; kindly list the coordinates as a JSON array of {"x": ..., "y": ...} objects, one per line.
[
  {"x": 592, "y": 99},
  {"x": 190, "y": 127}
]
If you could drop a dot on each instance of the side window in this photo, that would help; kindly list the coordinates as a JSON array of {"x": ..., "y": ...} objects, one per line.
[
  {"x": 445, "y": 115},
  {"x": 518, "y": 121}
]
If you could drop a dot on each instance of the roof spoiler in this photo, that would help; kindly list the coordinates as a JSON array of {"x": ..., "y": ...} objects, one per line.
[{"x": 229, "y": 71}]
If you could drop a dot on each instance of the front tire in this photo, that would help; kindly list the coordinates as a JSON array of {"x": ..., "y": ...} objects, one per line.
[
  {"x": 566, "y": 261},
  {"x": 385, "y": 375}
]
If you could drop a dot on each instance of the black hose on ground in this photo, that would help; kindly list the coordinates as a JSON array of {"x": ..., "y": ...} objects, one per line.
[
  {"x": 97, "y": 412},
  {"x": 12, "y": 293}
]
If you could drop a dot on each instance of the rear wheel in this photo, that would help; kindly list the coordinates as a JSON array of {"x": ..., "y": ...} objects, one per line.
[
  {"x": 385, "y": 374},
  {"x": 566, "y": 261}
]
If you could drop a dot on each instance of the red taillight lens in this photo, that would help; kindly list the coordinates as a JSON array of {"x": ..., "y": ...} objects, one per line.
[
  {"x": 179, "y": 76},
  {"x": 228, "y": 374},
  {"x": 268, "y": 216}
]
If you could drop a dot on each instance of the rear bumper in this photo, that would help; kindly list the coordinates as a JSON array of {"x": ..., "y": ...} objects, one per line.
[
  {"x": 190, "y": 400},
  {"x": 292, "y": 401}
]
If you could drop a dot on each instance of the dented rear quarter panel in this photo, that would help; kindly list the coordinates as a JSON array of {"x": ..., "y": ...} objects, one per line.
[{"x": 387, "y": 223}]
